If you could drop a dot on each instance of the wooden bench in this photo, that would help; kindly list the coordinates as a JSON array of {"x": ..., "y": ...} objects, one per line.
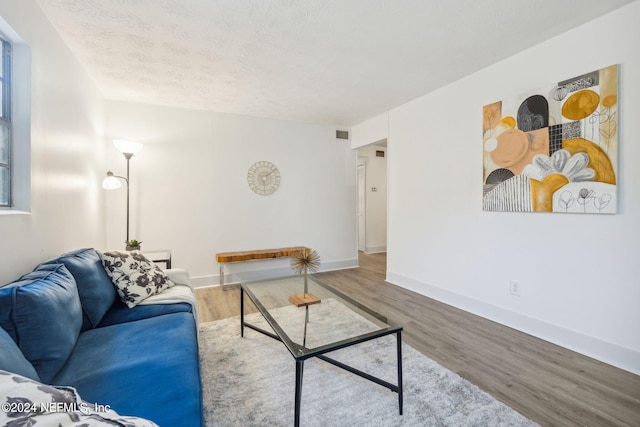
[{"x": 255, "y": 255}]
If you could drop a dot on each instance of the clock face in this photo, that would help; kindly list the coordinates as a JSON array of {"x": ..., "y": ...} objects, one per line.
[{"x": 263, "y": 178}]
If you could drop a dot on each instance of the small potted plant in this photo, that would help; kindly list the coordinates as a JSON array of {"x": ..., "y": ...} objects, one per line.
[{"x": 133, "y": 245}]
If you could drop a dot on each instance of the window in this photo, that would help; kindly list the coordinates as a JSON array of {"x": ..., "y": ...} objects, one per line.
[
  {"x": 5, "y": 125},
  {"x": 15, "y": 122}
]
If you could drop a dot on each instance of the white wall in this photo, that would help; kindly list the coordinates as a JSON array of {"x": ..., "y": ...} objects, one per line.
[
  {"x": 579, "y": 274},
  {"x": 190, "y": 193},
  {"x": 67, "y": 204},
  {"x": 376, "y": 201}
]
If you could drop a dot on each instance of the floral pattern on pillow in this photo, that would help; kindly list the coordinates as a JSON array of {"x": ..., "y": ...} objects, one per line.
[
  {"x": 26, "y": 402},
  {"x": 135, "y": 277}
]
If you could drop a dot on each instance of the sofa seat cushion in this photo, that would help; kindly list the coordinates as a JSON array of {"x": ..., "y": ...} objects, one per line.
[
  {"x": 41, "y": 312},
  {"x": 134, "y": 276},
  {"x": 147, "y": 368},
  {"x": 12, "y": 359},
  {"x": 95, "y": 288},
  {"x": 120, "y": 313}
]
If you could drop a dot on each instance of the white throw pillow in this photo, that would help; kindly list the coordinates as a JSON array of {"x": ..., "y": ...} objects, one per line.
[
  {"x": 26, "y": 402},
  {"x": 134, "y": 276}
]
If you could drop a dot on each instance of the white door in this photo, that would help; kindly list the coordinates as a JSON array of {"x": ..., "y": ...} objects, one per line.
[{"x": 362, "y": 207}]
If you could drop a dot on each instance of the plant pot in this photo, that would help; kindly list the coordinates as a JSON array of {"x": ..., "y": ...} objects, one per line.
[{"x": 133, "y": 248}]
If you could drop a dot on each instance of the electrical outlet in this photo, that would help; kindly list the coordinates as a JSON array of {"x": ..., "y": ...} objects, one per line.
[{"x": 515, "y": 289}]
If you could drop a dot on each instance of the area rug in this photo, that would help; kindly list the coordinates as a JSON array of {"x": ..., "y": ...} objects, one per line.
[{"x": 250, "y": 381}]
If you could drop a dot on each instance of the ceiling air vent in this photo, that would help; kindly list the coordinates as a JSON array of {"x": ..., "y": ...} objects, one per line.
[{"x": 342, "y": 134}]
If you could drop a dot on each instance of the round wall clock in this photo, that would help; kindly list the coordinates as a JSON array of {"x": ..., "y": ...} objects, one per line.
[{"x": 263, "y": 178}]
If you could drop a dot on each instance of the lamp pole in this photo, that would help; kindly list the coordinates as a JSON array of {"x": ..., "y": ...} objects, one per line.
[{"x": 128, "y": 157}]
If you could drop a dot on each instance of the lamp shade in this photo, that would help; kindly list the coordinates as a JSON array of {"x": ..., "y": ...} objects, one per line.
[
  {"x": 129, "y": 147},
  {"x": 111, "y": 182}
]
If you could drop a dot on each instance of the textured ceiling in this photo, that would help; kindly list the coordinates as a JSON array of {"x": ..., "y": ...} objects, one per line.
[{"x": 322, "y": 61}]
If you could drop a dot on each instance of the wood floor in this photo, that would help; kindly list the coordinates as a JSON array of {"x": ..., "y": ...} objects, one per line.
[{"x": 547, "y": 383}]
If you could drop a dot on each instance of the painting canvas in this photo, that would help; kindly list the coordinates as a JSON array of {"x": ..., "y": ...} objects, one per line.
[{"x": 554, "y": 149}]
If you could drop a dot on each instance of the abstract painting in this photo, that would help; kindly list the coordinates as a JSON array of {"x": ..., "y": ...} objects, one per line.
[{"x": 554, "y": 149}]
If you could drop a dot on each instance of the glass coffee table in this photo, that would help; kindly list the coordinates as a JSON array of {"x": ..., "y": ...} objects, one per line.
[{"x": 330, "y": 322}]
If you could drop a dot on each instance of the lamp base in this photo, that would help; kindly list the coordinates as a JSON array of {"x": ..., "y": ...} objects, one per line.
[{"x": 302, "y": 300}]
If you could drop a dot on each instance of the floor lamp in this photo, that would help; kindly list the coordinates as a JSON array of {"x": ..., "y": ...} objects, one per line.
[{"x": 112, "y": 182}]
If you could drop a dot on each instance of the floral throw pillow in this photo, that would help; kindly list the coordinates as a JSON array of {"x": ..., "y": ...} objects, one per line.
[
  {"x": 30, "y": 403},
  {"x": 134, "y": 276}
]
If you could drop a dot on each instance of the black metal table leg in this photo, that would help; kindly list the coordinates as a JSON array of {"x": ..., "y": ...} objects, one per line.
[
  {"x": 241, "y": 312},
  {"x": 399, "y": 339},
  {"x": 299, "y": 371}
]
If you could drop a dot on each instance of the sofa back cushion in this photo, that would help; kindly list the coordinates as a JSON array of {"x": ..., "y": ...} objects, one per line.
[
  {"x": 12, "y": 359},
  {"x": 41, "y": 312},
  {"x": 96, "y": 291}
]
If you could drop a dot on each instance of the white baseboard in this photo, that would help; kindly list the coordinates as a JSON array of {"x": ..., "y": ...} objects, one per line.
[
  {"x": 606, "y": 352},
  {"x": 204, "y": 281},
  {"x": 264, "y": 273},
  {"x": 375, "y": 249}
]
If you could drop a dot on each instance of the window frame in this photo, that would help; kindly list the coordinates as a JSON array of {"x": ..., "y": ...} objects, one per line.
[
  {"x": 21, "y": 66},
  {"x": 6, "y": 115}
]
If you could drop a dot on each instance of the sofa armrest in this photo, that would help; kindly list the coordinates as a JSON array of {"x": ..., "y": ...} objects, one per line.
[
  {"x": 182, "y": 292},
  {"x": 179, "y": 276}
]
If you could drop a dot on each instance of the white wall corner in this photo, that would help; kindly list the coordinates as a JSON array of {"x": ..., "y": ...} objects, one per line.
[{"x": 370, "y": 131}]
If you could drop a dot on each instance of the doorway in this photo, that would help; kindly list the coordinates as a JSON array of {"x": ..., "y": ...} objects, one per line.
[
  {"x": 372, "y": 197},
  {"x": 362, "y": 206}
]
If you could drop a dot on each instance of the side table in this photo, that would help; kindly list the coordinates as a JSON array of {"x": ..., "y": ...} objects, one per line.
[{"x": 161, "y": 255}]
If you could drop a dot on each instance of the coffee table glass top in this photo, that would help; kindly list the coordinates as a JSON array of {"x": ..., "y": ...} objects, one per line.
[{"x": 336, "y": 321}]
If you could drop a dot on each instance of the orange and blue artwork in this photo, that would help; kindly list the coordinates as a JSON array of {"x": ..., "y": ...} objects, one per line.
[{"x": 555, "y": 149}]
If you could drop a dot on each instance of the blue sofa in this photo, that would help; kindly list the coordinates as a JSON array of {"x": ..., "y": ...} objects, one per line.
[{"x": 63, "y": 325}]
